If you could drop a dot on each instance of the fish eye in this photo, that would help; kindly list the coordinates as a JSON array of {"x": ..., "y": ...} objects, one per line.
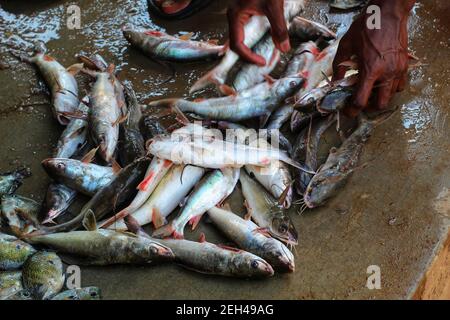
[
  {"x": 153, "y": 250},
  {"x": 283, "y": 228},
  {"x": 60, "y": 166},
  {"x": 255, "y": 264},
  {"x": 93, "y": 294}
]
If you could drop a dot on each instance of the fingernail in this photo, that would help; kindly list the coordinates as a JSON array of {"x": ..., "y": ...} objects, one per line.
[{"x": 285, "y": 46}]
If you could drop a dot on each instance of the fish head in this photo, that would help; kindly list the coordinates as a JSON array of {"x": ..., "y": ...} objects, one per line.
[
  {"x": 281, "y": 258},
  {"x": 57, "y": 167},
  {"x": 253, "y": 266},
  {"x": 283, "y": 229},
  {"x": 323, "y": 186}
]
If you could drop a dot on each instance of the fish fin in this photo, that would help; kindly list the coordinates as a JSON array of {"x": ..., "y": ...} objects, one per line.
[
  {"x": 248, "y": 215},
  {"x": 180, "y": 116},
  {"x": 111, "y": 69},
  {"x": 225, "y": 206},
  {"x": 116, "y": 167},
  {"x": 134, "y": 227},
  {"x": 264, "y": 231},
  {"x": 227, "y": 90},
  {"x": 296, "y": 164},
  {"x": 89, "y": 72},
  {"x": 157, "y": 218},
  {"x": 75, "y": 68},
  {"x": 263, "y": 119},
  {"x": 48, "y": 221},
  {"x": 213, "y": 42},
  {"x": 202, "y": 238},
  {"x": 186, "y": 36},
  {"x": 284, "y": 194},
  {"x": 143, "y": 186},
  {"x": 119, "y": 216},
  {"x": 89, "y": 157},
  {"x": 225, "y": 247},
  {"x": 270, "y": 80},
  {"x": 167, "y": 231},
  {"x": 195, "y": 221},
  {"x": 208, "y": 79},
  {"x": 120, "y": 120},
  {"x": 89, "y": 222}
]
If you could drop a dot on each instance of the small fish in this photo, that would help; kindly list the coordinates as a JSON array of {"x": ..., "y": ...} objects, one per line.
[
  {"x": 43, "y": 275},
  {"x": 61, "y": 82},
  {"x": 109, "y": 198},
  {"x": 209, "y": 258},
  {"x": 131, "y": 142},
  {"x": 11, "y": 181},
  {"x": 307, "y": 30},
  {"x": 105, "y": 247},
  {"x": 341, "y": 163},
  {"x": 20, "y": 214},
  {"x": 106, "y": 112},
  {"x": 212, "y": 152},
  {"x": 245, "y": 234},
  {"x": 211, "y": 190},
  {"x": 250, "y": 74},
  {"x": 57, "y": 200},
  {"x": 75, "y": 134},
  {"x": 315, "y": 134},
  {"x": 13, "y": 252},
  {"x": 161, "y": 46},
  {"x": 347, "y": 4},
  {"x": 156, "y": 172},
  {"x": 266, "y": 213},
  {"x": 86, "y": 178},
  {"x": 254, "y": 31},
  {"x": 10, "y": 284},
  {"x": 257, "y": 101},
  {"x": 88, "y": 293}
]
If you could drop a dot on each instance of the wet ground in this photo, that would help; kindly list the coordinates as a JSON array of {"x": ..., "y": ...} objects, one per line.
[{"x": 394, "y": 213}]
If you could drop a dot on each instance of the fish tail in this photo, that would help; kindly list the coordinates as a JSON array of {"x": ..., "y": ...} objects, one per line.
[
  {"x": 119, "y": 216},
  {"x": 211, "y": 78},
  {"x": 164, "y": 103}
]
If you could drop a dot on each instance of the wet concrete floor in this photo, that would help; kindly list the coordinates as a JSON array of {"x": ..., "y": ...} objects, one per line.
[{"x": 394, "y": 213}]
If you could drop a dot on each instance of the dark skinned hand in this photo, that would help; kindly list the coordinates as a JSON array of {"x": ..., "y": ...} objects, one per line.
[
  {"x": 381, "y": 55},
  {"x": 238, "y": 15}
]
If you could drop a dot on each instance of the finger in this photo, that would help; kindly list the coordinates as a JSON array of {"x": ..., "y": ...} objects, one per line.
[
  {"x": 363, "y": 90},
  {"x": 394, "y": 87},
  {"x": 279, "y": 31},
  {"x": 236, "y": 24},
  {"x": 384, "y": 94}
]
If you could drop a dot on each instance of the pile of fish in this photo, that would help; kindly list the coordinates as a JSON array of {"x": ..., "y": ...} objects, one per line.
[{"x": 137, "y": 171}]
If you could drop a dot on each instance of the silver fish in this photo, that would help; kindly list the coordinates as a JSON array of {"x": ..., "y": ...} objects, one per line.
[
  {"x": 86, "y": 178},
  {"x": 257, "y": 101},
  {"x": 105, "y": 247},
  {"x": 280, "y": 116},
  {"x": 302, "y": 60},
  {"x": 105, "y": 113},
  {"x": 245, "y": 234},
  {"x": 265, "y": 211},
  {"x": 61, "y": 82},
  {"x": 75, "y": 134},
  {"x": 161, "y": 46},
  {"x": 250, "y": 74},
  {"x": 254, "y": 30},
  {"x": 211, "y": 190}
]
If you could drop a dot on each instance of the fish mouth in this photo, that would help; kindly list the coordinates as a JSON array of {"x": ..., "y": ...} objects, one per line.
[{"x": 268, "y": 270}]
